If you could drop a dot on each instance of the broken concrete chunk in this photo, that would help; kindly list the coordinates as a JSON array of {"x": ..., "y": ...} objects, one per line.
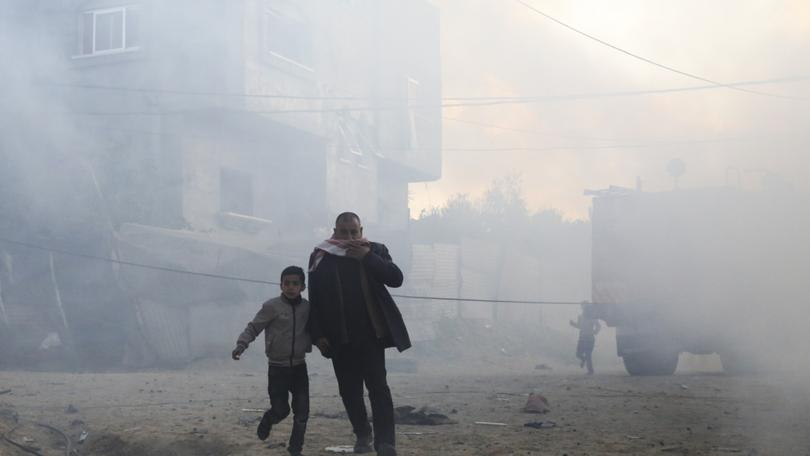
[
  {"x": 424, "y": 416},
  {"x": 540, "y": 424},
  {"x": 340, "y": 449},
  {"x": 536, "y": 403}
]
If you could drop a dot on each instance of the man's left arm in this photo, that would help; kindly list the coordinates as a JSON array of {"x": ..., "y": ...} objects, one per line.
[{"x": 378, "y": 261}]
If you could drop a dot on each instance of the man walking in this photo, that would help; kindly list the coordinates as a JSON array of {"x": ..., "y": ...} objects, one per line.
[{"x": 353, "y": 320}]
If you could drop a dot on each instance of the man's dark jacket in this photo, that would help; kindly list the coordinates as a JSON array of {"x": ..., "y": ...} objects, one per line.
[{"x": 327, "y": 318}]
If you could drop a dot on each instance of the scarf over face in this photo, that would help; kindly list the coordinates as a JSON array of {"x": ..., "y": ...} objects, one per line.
[{"x": 335, "y": 247}]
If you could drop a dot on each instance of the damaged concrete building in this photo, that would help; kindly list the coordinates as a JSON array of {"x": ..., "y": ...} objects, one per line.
[{"x": 198, "y": 135}]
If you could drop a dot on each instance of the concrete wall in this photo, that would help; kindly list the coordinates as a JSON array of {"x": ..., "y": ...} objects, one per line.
[{"x": 359, "y": 159}]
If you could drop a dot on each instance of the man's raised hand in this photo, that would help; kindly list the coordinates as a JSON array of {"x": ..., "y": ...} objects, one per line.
[{"x": 357, "y": 250}]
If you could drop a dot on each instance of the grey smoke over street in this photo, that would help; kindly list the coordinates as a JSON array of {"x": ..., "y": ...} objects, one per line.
[{"x": 161, "y": 162}]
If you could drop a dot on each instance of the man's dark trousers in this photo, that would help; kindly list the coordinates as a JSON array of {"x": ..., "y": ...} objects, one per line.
[
  {"x": 359, "y": 363},
  {"x": 280, "y": 382}
]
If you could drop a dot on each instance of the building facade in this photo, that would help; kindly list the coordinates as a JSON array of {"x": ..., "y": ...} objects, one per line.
[
  {"x": 256, "y": 118},
  {"x": 214, "y": 136}
]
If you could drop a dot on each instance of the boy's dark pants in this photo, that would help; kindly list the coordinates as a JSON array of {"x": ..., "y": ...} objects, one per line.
[
  {"x": 280, "y": 382},
  {"x": 354, "y": 365}
]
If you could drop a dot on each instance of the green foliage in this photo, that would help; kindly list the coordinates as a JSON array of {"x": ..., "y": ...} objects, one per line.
[{"x": 501, "y": 213}]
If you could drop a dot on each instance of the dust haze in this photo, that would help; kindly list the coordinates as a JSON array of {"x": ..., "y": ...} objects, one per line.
[{"x": 162, "y": 162}]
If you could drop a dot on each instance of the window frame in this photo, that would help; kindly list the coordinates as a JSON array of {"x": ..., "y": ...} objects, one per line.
[
  {"x": 278, "y": 54},
  {"x": 84, "y": 53}
]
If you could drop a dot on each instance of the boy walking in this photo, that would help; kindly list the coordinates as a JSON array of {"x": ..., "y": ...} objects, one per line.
[{"x": 284, "y": 322}]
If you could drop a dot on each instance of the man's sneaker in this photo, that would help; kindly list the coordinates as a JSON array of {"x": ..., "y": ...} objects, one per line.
[
  {"x": 263, "y": 431},
  {"x": 386, "y": 449},
  {"x": 363, "y": 444}
]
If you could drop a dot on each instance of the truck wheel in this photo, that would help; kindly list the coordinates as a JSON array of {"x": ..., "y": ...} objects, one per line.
[{"x": 651, "y": 363}]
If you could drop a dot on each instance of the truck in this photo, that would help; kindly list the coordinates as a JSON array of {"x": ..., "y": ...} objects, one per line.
[{"x": 709, "y": 270}]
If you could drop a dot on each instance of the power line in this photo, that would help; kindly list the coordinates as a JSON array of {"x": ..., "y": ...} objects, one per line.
[
  {"x": 489, "y": 101},
  {"x": 498, "y": 301},
  {"x": 603, "y": 146},
  {"x": 473, "y": 149},
  {"x": 447, "y": 103},
  {"x": 652, "y": 62},
  {"x": 265, "y": 282},
  {"x": 137, "y": 265},
  {"x": 202, "y": 93},
  {"x": 474, "y": 101},
  {"x": 622, "y": 93}
]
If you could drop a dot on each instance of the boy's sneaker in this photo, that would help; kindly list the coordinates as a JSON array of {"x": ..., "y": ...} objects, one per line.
[
  {"x": 386, "y": 449},
  {"x": 363, "y": 444},
  {"x": 263, "y": 431}
]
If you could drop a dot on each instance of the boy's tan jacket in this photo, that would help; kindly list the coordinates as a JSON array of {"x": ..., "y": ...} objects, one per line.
[{"x": 286, "y": 336}]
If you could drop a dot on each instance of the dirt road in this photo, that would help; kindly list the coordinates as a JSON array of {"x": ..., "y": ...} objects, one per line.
[{"x": 198, "y": 411}]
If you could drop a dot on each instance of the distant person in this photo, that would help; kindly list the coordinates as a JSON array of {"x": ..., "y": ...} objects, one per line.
[
  {"x": 588, "y": 329},
  {"x": 354, "y": 319},
  {"x": 286, "y": 338}
]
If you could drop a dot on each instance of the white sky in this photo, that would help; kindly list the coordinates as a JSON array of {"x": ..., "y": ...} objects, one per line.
[{"x": 502, "y": 48}]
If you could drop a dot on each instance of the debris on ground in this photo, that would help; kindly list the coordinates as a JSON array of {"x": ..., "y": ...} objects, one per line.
[
  {"x": 249, "y": 420},
  {"x": 490, "y": 423},
  {"x": 542, "y": 367},
  {"x": 541, "y": 424},
  {"x": 340, "y": 449},
  {"x": 82, "y": 437},
  {"x": 331, "y": 416},
  {"x": 5, "y": 391},
  {"x": 71, "y": 409},
  {"x": 422, "y": 417},
  {"x": 536, "y": 403}
]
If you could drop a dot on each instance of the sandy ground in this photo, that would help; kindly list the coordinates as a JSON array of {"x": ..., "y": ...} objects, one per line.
[{"x": 198, "y": 411}]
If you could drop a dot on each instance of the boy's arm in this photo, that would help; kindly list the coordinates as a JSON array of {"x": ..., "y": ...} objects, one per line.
[
  {"x": 382, "y": 267},
  {"x": 596, "y": 327},
  {"x": 263, "y": 318}
]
